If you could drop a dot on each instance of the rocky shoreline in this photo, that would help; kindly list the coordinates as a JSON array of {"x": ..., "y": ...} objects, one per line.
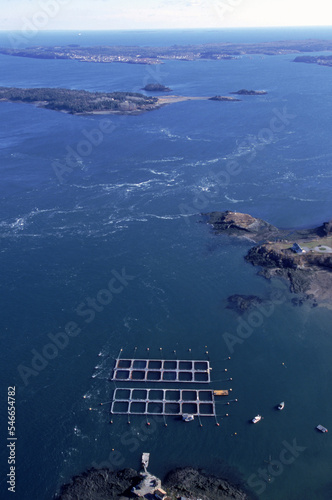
[
  {"x": 193, "y": 484},
  {"x": 302, "y": 257}
]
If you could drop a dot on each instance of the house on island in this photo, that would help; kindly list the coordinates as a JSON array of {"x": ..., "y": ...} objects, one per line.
[{"x": 297, "y": 249}]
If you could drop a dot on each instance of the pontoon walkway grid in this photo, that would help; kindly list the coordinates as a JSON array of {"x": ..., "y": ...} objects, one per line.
[
  {"x": 161, "y": 370},
  {"x": 163, "y": 402}
]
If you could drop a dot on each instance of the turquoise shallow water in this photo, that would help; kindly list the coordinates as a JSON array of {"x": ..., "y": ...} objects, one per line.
[{"x": 134, "y": 203}]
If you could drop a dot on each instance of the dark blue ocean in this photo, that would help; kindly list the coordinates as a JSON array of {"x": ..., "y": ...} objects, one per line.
[{"x": 125, "y": 212}]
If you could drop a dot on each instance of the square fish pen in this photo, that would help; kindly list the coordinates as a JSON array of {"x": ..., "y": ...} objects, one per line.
[
  {"x": 174, "y": 402},
  {"x": 161, "y": 370}
]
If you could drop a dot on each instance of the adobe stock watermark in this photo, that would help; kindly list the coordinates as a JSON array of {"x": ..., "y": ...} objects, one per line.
[
  {"x": 75, "y": 154},
  {"x": 47, "y": 10},
  {"x": 267, "y": 475},
  {"x": 88, "y": 309},
  {"x": 132, "y": 440},
  {"x": 254, "y": 320},
  {"x": 222, "y": 178},
  {"x": 224, "y": 7}
]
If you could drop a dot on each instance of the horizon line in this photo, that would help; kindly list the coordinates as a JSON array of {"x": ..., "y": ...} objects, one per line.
[{"x": 176, "y": 29}]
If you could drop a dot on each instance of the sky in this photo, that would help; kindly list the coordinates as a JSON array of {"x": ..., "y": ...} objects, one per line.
[{"x": 161, "y": 14}]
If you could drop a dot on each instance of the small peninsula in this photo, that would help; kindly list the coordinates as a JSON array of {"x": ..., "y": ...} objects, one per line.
[
  {"x": 303, "y": 256},
  {"x": 320, "y": 60}
]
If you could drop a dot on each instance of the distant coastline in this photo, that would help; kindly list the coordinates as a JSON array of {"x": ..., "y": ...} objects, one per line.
[{"x": 157, "y": 55}]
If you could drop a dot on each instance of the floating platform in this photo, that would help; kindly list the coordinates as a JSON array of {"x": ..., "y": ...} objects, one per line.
[
  {"x": 163, "y": 402},
  {"x": 221, "y": 393},
  {"x": 158, "y": 370}
]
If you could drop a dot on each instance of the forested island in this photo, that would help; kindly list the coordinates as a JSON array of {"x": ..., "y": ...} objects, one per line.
[
  {"x": 156, "y": 87},
  {"x": 79, "y": 102},
  {"x": 156, "y": 55}
]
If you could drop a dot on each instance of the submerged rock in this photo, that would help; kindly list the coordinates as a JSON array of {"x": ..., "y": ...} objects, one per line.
[{"x": 243, "y": 303}]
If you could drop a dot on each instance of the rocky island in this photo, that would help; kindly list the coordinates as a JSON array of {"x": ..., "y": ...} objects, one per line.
[
  {"x": 303, "y": 256},
  {"x": 156, "y": 87},
  {"x": 104, "y": 484},
  {"x": 223, "y": 98},
  {"x": 249, "y": 92},
  {"x": 157, "y": 55}
]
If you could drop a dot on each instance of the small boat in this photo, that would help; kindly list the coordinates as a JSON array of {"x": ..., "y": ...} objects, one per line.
[
  {"x": 256, "y": 419},
  {"x": 281, "y": 406},
  {"x": 321, "y": 428},
  {"x": 186, "y": 417}
]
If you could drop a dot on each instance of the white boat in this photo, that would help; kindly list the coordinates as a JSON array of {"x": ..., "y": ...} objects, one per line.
[
  {"x": 281, "y": 406},
  {"x": 321, "y": 428},
  {"x": 256, "y": 419},
  {"x": 187, "y": 417}
]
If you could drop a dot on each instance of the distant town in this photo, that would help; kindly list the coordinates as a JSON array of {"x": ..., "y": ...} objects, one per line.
[{"x": 157, "y": 55}]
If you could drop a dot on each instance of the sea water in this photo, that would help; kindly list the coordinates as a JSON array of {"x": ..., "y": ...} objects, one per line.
[{"x": 131, "y": 207}]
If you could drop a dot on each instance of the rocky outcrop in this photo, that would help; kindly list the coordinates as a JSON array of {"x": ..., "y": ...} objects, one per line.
[
  {"x": 243, "y": 303},
  {"x": 249, "y": 92},
  {"x": 194, "y": 484},
  {"x": 104, "y": 484},
  {"x": 242, "y": 225},
  {"x": 309, "y": 272},
  {"x": 101, "y": 484},
  {"x": 223, "y": 98}
]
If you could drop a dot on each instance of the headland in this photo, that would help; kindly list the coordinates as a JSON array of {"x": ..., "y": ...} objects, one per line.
[
  {"x": 301, "y": 256},
  {"x": 320, "y": 60}
]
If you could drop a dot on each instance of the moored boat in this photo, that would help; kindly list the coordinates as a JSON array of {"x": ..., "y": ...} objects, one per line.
[
  {"x": 321, "y": 428},
  {"x": 256, "y": 419},
  {"x": 281, "y": 406},
  {"x": 187, "y": 417}
]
